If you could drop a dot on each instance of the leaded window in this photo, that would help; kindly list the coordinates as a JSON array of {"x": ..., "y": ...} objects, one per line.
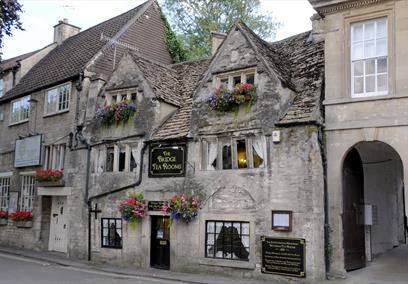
[
  {"x": 227, "y": 240},
  {"x": 111, "y": 233},
  {"x": 27, "y": 192},
  {"x": 58, "y": 99},
  {"x": 4, "y": 193},
  {"x": 20, "y": 110}
]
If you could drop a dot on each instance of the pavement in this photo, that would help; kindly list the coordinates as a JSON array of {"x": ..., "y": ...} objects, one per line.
[{"x": 163, "y": 276}]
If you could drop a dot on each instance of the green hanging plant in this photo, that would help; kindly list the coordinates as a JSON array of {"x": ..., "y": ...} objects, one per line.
[{"x": 176, "y": 50}]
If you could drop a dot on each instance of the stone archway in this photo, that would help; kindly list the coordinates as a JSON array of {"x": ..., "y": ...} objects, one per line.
[{"x": 373, "y": 203}]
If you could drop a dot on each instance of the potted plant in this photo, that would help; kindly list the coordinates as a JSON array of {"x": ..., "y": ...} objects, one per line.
[
  {"x": 181, "y": 207},
  {"x": 224, "y": 100},
  {"x": 49, "y": 177},
  {"x": 23, "y": 219},
  {"x": 3, "y": 218},
  {"x": 133, "y": 209},
  {"x": 116, "y": 113}
]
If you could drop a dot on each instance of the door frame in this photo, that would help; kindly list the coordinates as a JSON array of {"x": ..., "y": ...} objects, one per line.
[{"x": 153, "y": 256}]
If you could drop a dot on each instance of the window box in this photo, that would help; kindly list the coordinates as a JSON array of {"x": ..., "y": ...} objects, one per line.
[
  {"x": 24, "y": 224},
  {"x": 56, "y": 183},
  {"x": 3, "y": 222}
]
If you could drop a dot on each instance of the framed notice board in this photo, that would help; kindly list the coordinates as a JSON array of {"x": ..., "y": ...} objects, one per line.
[
  {"x": 167, "y": 161},
  {"x": 283, "y": 256}
]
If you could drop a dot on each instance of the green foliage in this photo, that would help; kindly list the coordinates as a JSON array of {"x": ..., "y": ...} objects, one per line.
[
  {"x": 176, "y": 50},
  {"x": 194, "y": 20},
  {"x": 9, "y": 18}
]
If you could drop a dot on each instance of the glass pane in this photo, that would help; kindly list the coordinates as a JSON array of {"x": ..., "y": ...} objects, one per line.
[
  {"x": 370, "y": 84},
  {"x": 105, "y": 223},
  {"x": 210, "y": 251},
  {"x": 245, "y": 228},
  {"x": 218, "y": 227},
  {"x": 357, "y": 32},
  {"x": 358, "y": 68},
  {"x": 370, "y": 67},
  {"x": 382, "y": 65},
  {"x": 245, "y": 241},
  {"x": 358, "y": 85},
  {"x": 381, "y": 29},
  {"x": 382, "y": 82},
  {"x": 369, "y": 49},
  {"x": 210, "y": 227},
  {"x": 358, "y": 51},
  {"x": 226, "y": 157},
  {"x": 228, "y": 224},
  {"x": 250, "y": 79},
  {"x": 241, "y": 154},
  {"x": 236, "y": 80},
  {"x": 369, "y": 31},
  {"x": 224, "y": 83},
  {"x": 210, "y": 239},
  {"x": 381, "y": 47}
]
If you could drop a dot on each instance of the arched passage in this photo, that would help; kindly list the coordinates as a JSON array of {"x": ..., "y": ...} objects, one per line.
[{"x": 373, "y": 202}]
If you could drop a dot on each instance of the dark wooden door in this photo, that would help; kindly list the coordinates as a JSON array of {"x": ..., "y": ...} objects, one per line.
[
  {"x": 353, "y": 212},
  {"x": 160, "y": 242}
]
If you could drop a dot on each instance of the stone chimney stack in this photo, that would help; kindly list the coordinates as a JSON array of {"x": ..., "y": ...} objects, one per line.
[
  {"x": 64, "y": 30},
  {"x": 217, "y": 39}
]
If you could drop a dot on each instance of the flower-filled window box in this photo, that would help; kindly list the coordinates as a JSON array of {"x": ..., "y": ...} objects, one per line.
[
  {"x": 122, "y": 112},
  {"x": 23, "y": 219},
  {"x": 3, "y": 218},
  {"x": 224, "y": 100},
  {"x": 49, "y": 178},
  {"x": 181, "y": 207},
  {"x": 133, "y": 209}
]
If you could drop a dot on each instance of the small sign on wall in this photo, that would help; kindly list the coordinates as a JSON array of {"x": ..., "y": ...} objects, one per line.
[
  {"x": 28, "y": 151},
  {"x": 155, "y": 205},
  {"x": 282, "y": 220},
  {"x": 167, "y": 161}
]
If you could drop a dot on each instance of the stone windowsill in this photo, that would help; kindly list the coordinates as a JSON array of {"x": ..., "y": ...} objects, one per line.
[
  {"x": 227, "y": 263},
  {"x": 54, "y": 191}
]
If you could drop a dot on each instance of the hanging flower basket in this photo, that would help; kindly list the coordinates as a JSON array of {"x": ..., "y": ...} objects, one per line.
[
  {"x": 116, "y": 113},
  {"x": 3, "y": 218},
  {"x": 181, "y": 207},
  {"x": 49, "y": 177},
  {"x": 23, "y": 219},
  {"x": 133, "y": 209},
  {"x": 224, "y": 100}
]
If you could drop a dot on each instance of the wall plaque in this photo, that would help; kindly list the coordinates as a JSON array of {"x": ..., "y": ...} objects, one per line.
[
  {"x": 167, "y": 161},
  {"x": 283, "y": 256},
  {"x": 28, "y": 151},
  {"x": 155, "y": 205}
]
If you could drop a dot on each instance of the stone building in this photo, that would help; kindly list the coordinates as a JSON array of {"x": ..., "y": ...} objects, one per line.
[
  {"x": 257, "y": 168},
  {"x": 365, "y": 128}
]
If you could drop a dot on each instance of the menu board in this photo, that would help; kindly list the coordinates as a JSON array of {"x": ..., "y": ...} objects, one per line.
[{"x": 283, "y": 256}]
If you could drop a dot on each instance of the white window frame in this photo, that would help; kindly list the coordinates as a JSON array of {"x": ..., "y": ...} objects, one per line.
[
  {"x": 21, "y": 116},
  {"x": 364, "y": 59},
  {"x": 231, "y": 75},
  {"x": 5, "y": 184},
  {"x": 117, "y": 96},
  {"x": 129, "y": 148},
  {"x": 28, "y": 190},
  {"x": 232, "y": 140},
  {"x": 1, "y": 87},
  {"x": 54, "y": 156},
  {"x": 62, "y": 101}
]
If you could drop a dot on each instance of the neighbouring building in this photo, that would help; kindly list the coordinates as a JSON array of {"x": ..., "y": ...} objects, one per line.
[{"x": 366, "y": 129}]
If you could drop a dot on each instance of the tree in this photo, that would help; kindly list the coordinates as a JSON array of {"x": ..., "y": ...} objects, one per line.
[
  {"x": 193, "y": 21},
  {"x": 9, "y": 18}
]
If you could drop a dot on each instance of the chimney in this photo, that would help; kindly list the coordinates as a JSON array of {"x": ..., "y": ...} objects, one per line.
[
  {"x": 217, "y": 39},
  {"x": 64, "y": 30}
]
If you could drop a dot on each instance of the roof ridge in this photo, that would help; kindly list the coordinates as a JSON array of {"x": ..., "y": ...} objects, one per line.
[{"x": 191, "y": 61}]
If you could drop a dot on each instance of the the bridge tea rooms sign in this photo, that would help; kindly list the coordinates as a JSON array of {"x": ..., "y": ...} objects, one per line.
[
  {"x": 28, "y": 152},
  {"x": 167, "y": 161}
]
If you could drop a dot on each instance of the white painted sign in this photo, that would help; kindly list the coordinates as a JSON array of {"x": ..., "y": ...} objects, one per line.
[{"x": 28, "y": 152}]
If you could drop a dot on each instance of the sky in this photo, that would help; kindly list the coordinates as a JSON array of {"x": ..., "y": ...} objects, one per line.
[{"x": 40, "y": 16}]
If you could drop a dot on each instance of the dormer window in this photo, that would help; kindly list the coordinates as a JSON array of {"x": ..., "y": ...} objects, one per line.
[
  {"x": 57, "y": 99},
  {"x": 118, "y": 96},
  {"x": 231, "y": 79},
  {"x": 20, "y": 110}
]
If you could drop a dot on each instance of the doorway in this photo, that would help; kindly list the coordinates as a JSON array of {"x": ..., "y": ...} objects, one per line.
[
  {"x": 160, "y": 242},
  {"x": 373, "y": 203},
  {"x": 58, "y": 225}
]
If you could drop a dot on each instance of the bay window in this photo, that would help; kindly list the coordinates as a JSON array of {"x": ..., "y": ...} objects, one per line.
[{"x": 369, "y": 58}]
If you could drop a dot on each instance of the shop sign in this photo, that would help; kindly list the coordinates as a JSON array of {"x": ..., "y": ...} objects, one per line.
[
  {"x": 167, "y": 161},
  {"x": 283, "y": 256},
  {"x": 155, "y": 205},
  {"x": 28, "y": 152}
]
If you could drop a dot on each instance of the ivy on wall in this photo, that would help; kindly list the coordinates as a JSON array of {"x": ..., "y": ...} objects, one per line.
[{"x": 177, "y": 52}]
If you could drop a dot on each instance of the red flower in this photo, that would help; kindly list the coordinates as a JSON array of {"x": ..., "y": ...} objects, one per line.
[{"x": 22, "y": 216}]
